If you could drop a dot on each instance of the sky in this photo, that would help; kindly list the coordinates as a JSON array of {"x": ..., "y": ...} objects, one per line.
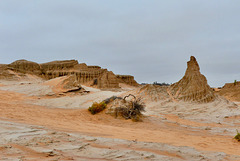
[{"x": 149, "y": 39}]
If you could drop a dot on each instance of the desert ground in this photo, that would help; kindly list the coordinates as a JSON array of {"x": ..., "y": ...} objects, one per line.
[
  {"x": 37, "y": 124},
  {"x": 44, "y": 115}
]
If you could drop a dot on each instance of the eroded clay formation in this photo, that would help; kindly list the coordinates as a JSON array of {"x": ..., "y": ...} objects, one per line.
[
  {"x": 193, "y": 86},
  {"x": 93, "y": 75},
  {"x": 128, "y": 79},
  {"x": 231, "y": 91}
]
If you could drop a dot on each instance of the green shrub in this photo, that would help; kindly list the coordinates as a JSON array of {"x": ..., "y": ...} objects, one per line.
[
  {"x": 97, "y": 107},
  {"x": 237, "y": 137},
  {"x": 235, "y": 82},
  {"x": 111, "y": 99}
]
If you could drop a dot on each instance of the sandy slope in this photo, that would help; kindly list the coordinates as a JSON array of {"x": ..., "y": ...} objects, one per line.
[
  {"x": 161, "y": 136},
  {"x": 76, "y": 101}
]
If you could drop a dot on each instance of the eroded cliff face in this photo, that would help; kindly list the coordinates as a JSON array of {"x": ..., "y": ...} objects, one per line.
[
  {"x": 25, "y": 66},
  {"x": 231, "y": 91},
  {"x": 128, "y": 79},
  {"x": 193, "y": 86},
  {"x": 59, "y": 65},
  {"x": 108, "y": 80},
  {"x": 81, "y": 76},
  {"x": 84, "y": 74},
  {"x": 7, "y": 74}
]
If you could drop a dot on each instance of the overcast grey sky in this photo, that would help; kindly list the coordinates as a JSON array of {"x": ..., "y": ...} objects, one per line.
[{"x": 149, "y": 39}]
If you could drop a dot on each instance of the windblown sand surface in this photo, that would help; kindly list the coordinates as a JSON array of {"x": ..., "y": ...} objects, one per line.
[{"x": 37, "y": 125}]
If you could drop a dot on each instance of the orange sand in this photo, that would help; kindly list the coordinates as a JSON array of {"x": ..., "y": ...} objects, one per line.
[{"x": 153, "y": 129}]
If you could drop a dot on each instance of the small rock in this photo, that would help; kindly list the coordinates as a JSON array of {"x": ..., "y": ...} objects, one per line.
[
  {"x": 53, "y": 133},
  {"x": 51, "y": 153},
  {"x": 150, "y": 156},
  {"x": 7, "y": 146},
  {"x": 208, "y": 128},
  {"x": 135, "y": 141},
  {"x": 50, "y": 94}
]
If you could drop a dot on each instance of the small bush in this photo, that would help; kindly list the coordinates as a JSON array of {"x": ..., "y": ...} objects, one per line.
[
  {"x": 235, "y": 82},
  {"x": 161, "y": 84},
  {"x": 111, "y": 99},
  {"x": 97, "y": 107},
  {"x": 237, "y": 137},
  {"x": 132, "y": 111}
]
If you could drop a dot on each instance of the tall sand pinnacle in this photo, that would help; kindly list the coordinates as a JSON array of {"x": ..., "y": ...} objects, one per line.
[{"x": 193, "y": 86}]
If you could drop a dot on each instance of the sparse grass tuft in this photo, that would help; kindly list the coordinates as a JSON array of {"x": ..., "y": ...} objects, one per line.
[
  {"x": 237, "y": 137},
  {"x": 97, "y": 107}
]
